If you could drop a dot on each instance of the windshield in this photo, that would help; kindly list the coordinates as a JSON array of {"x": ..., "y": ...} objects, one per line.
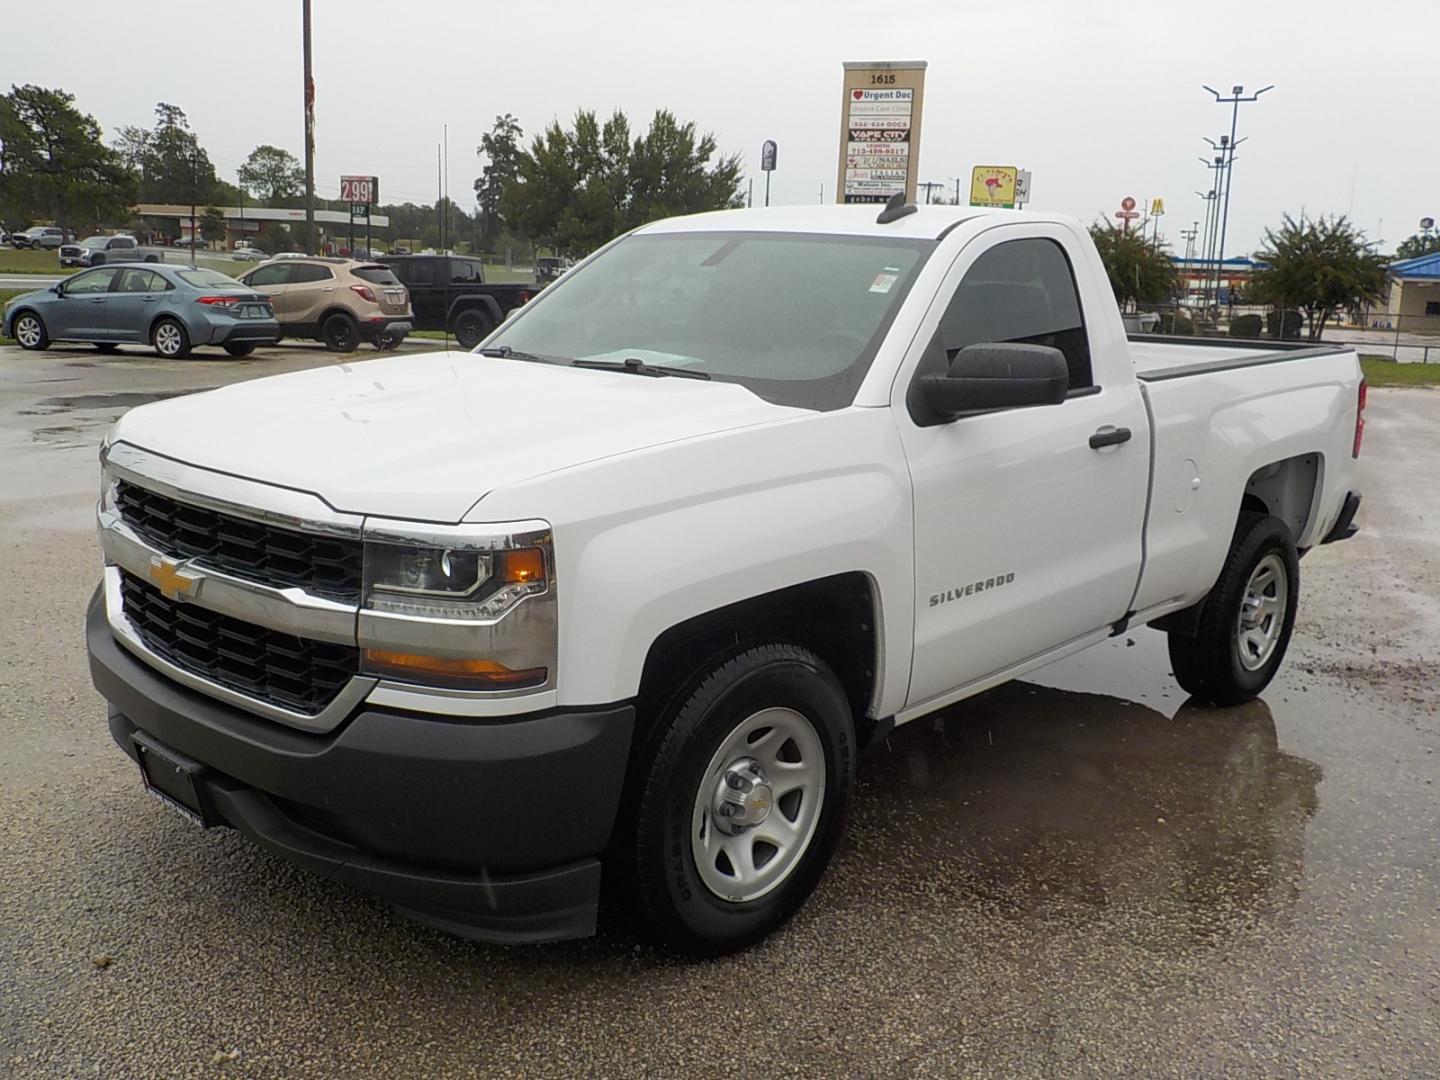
[
  {"x": 794, "y": 317},
  {"x": 208, "y": 279},
  {"x": 93, "y": 241}
]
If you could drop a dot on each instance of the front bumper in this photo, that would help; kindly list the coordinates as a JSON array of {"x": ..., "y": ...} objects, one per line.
[{"x": 486, "y": 829}]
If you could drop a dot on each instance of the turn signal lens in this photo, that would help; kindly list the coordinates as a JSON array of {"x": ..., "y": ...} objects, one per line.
[
  {"x": 520, "y": 566},
  {"x": 1362, "y": 394},
  {"x": 446, "y": 671}
]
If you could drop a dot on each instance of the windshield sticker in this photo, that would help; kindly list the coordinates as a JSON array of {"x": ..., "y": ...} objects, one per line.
[{"x": 884, "y": 281}]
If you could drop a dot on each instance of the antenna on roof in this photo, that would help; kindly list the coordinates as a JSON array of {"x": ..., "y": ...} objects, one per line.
[{"x": 895, "y": 209}]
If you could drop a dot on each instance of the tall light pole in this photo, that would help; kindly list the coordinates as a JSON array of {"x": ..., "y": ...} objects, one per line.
[
  {"x": 309, "y": 135},
  {"x": 1235, "y": 100}
]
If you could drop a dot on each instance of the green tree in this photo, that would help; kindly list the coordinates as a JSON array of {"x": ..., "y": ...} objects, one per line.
[
  {"x": 576, "y": 189},
  {"x": 212, "y": 225},
  {"x": 54, "y": 165},
  {"x": 1139, "y": 272},
  {"x": 1413, "y": 247},
  {"x": 173, "y": 166},
  {"x": 275, "y": 238},
  {"x": 1320, "y": 266},
  {"x": 272, "y": 175},
  {"x": 500, "y": 148}
]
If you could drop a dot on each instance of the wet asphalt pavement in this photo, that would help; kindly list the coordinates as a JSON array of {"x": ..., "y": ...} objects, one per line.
[{"x": 1078, "y": 875}]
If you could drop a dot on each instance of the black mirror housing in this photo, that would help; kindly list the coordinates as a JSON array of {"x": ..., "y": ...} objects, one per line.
[{"x": 986, "y": 378}]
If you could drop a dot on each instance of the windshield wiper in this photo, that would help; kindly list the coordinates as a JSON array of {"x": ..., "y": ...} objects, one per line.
[
  {"x": 505, "y": 352},
  {"x": 635, "y": 366}
]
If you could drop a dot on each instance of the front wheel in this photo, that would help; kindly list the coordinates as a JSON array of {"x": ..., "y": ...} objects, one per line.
[
  {"x": 740, "y": 801},
  {"x": 30, "y": 332},
  {"x": 340, "y": 333},
  {"x": 1246, "y": 619}
]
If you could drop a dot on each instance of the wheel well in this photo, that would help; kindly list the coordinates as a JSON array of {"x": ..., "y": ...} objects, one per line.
[
  {"x": 1286, "y": 490},
  {"x": 834, "y": 617},
  {"x": 328, "y": 312},
  {"x": 165, "y": 316}
]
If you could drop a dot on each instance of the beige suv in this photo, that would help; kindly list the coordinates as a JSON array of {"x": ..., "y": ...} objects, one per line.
[{"x": 342, "y": 302}]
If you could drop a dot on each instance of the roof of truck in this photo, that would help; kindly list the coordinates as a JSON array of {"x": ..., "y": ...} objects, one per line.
[{"x": 928, "y": 222}]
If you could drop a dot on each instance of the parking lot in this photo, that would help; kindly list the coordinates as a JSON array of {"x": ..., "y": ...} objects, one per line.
[{"x": 1077, "y": 875}]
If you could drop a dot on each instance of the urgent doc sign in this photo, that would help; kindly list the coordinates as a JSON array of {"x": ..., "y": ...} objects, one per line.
[
  {"x": 880, "y": 130},
  {"x": 360, "y": 189}
]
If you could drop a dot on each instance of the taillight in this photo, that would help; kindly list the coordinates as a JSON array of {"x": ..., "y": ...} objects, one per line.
[
  {"x": 525, "y": 296},
  {"x": 218, "y": 301},
  {"x": 365, "y": 293},
  {"x": 1360, "y": 417}
]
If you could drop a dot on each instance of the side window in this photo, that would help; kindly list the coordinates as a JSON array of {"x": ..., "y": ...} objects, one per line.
[
  {"x": 275, "y": 274},
  {"x": 140, "y": 281},
  {"x": 96, "y": 281},
  {"x": 464, "y": 272},
  {"x": 420, "y": 272},
  {"x": 1020, "y": 291},
  {"x": 302, "y": 273}
]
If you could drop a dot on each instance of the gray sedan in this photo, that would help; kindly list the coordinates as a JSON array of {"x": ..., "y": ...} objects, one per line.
[{"x": 169, "y": 307}]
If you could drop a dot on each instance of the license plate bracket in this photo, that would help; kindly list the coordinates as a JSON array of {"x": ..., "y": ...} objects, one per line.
[{"x": 173, "y": 779}]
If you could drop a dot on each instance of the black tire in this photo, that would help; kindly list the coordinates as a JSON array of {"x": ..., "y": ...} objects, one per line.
[
  {"x": 471, "y": 328},
  {"x": 240, "y": 348},
  {"x": 107, "y": 346},
  {"x": 340, "y": 333},
  {"x": 152, "y": 258},
  {"x": 1216, "y": 664},
  {"x": 170, "y": 339},
  {"x": 29, "y": 327},
  {"x": 654, "y": 850}
]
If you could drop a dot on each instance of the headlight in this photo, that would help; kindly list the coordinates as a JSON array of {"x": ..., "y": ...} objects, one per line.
[{"x": 461, "y": 607}]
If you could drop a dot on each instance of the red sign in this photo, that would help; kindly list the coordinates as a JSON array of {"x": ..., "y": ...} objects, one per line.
[
  {"x": 359, "y": 189},
  {"x": 1127, "y": 203}
]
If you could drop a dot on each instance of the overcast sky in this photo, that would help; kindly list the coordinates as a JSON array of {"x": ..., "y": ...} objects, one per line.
[{"x": 1098, "y": 100}]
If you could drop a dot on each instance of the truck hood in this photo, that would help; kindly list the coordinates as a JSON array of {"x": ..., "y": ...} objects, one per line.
[{"x": 424, "y": 437}]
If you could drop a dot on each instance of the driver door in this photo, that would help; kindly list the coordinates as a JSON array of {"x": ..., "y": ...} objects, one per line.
[{"x": 85, "y": 312}]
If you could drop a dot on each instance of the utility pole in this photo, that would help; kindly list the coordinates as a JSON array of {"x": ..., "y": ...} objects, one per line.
[
  {"x": 445, "y": 212},
  {"x": 957, "y": 191},
  {"x": 194, "y": 194},
  {"x": 1212, "y": 226},
  {"x": 309, "y": 135},
  {"x": 1236, "y": 98},
  {"x": 439, "y": 194}
]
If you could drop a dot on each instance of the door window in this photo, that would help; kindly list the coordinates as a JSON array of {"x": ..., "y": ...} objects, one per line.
[
  {"x": 275, "y": 274},
  {"x": 1020, "y": 291},
  {"x": 136, "y": 281},
  {"x": 89, "y": 284},
  {"x": 420, "y": 272},
  {"x": 304, "y": 273}
]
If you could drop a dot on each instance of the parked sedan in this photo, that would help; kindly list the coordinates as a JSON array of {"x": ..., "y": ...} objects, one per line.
[
  {"x": 172, "y": 308},
  {"x": 248, "y": 254}
]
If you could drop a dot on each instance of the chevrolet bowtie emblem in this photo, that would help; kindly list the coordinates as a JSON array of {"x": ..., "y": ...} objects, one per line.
[{"x": 173, "y": 581}]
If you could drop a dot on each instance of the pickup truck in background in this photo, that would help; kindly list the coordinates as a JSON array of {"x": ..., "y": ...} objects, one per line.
[
  {"x": 98, "y": 250},
  {"x": 622, "y": 593},
  {"x": 450, "y": 293}
]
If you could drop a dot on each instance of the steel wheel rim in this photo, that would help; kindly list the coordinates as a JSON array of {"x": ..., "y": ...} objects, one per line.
[
  {"x": 167, "y": 338},
  {"x": 1262, "y": 613},
  {"x": 27, "y": 331},
  {"x": 746, "y": 852}
]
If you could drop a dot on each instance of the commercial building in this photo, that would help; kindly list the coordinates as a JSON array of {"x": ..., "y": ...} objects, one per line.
[
  {"x": 1412, "y": 300},
  {"x": 243, "y": 223}
]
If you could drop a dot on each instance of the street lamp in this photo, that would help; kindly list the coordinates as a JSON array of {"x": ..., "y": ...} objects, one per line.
[{"x": 1236, "y": 98}]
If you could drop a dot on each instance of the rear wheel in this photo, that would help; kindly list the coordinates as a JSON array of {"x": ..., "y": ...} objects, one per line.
[
  {"x": 240, "y": 348},
  {"x": 740, "y": 800},
  {"x": 340, "y": 333},
  {"x": 1246, "y": 619},
  {"x": 30, "y": 332},
  {"x": 471, "y": 327},
  {"x": 170, "y": 339}
]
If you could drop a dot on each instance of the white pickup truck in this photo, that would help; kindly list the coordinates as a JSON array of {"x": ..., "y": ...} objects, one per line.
[{"x": 624, "y": 591}]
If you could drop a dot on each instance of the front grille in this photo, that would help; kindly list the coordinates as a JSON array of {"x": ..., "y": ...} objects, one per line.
[
  {"x": 294, "y": 673},
  {"x": 321, "y": 565}
]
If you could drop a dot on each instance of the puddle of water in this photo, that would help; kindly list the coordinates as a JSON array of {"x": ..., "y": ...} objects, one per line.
[{"x": 120, "y": 400}]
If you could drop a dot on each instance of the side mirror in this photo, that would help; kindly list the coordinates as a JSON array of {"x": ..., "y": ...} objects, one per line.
[
  {"x": 58, "y": 289},
  {"x": 984, "y": 378}
]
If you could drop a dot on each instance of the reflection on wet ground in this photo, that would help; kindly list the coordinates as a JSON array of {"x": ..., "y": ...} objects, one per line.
[
  {"x": 1051, "y": 798},
  {"x": 118, "y": 400}
]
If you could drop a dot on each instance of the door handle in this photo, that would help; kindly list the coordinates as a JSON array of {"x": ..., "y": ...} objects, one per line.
[
  {"x": 98, "y": 300},
  {"x": 1109, "y": 435},
  {"x": 149, "y": 299}
]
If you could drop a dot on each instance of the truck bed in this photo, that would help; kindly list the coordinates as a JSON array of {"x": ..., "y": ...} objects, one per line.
[{"x": 1157, "y": 357}]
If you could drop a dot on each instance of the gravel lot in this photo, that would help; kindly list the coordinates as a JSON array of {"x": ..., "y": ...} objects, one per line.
[{"x": 1079, "y": 875}]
